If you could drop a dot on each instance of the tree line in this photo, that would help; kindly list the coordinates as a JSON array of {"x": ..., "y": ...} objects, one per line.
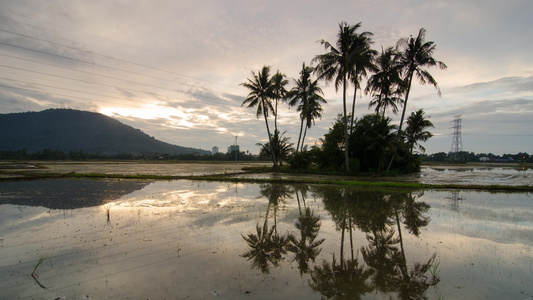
[
  {"x": 369, "y": 143},
  {"x": 53, "y": 154},
  {"x": 520, "y": 157}
]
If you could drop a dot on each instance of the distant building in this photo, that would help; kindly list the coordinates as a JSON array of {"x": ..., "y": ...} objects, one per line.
[
  {"x": 214, "y": 150},
  {"x": 233, "y": 148}
]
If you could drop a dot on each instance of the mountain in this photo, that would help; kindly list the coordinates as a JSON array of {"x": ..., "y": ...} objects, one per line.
[{"x": 75, "y": 130}]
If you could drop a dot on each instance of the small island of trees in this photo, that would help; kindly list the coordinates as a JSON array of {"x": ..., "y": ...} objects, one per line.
[{"x": 367, "y": 144}]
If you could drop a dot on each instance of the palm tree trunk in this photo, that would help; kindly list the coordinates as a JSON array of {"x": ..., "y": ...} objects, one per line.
[
  {"x": 346, "y": 136},
  {"x": 270, "y": 142},
  {"x": 403, "y": 115},
  {"x": 303, "y": 139},
  {"x": 300, "y": 135},
  {"x": 276, "y": 116},
  {"x": 353, "y": 108},
  {"x": 405, "y": 102}
]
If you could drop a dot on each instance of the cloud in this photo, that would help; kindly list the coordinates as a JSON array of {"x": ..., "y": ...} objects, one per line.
[{"x": 173, "y": 68}]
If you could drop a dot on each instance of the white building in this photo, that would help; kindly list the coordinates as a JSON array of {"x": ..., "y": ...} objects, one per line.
[{"x": 214, "y": 150}]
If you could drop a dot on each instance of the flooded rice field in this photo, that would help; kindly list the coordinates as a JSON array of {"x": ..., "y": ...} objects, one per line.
[
  {"x": 476, "y": 174},
  {"x": 142, "y": 239}
]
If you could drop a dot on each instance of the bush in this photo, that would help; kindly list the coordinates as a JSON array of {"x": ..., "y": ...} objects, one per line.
[{"x": 300, "y": 160}]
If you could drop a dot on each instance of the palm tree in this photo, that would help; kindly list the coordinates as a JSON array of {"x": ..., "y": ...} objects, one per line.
[
  {"x": 416, "y": 56},
  {"x": 280, "y": 93},
  {"x": 386, "y": 84},
  {"x": 314, "y": 108},
  {"x": 262, "y": 91},
  {"x": 362, "y": 59},
  {"x": 280, "y": 145},
  {"x": 307, "y": 95},
  {"x": 416, "y": 130},
  {"x": 336, "y": 65}
]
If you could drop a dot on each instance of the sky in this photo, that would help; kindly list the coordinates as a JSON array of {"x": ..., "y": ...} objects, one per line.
[{"x": 173, "y": 68}]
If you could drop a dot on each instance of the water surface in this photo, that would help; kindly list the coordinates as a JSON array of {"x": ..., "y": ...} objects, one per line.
[{"x": 199, "y": 240}]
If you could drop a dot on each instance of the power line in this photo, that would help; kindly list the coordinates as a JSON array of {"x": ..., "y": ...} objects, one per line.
[
  {"x": 103, "y": 84},
  {"x": 96, "y": 53}
]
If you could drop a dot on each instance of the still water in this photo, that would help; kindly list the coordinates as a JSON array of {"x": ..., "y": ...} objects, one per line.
[{"x": 119, "y": 239}]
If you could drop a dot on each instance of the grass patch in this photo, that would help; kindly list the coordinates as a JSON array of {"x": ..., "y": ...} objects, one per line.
[{"x": 359, "y": 181}]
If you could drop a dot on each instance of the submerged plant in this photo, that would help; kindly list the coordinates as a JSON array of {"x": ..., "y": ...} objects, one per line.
[
  {"x": 107, "y": 209},
  {"x": 34, "y": 275}
]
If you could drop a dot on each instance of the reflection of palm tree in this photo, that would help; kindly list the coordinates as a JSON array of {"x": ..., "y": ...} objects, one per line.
[
  {"x": 267, "y": 246},
  {"x": 411, "y": 283},
  {"x": 378, "y": 256},
  {"x": 306, "y": 248},
  {"x": 346, "y": 280},
  {"x": 381, "y": 216}
]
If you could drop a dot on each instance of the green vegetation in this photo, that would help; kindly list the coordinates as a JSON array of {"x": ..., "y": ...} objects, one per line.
[
  {"x": 366, "y": 182},
  {"x": 34, "y": 275},
  {"x": 370, "y": 144}
]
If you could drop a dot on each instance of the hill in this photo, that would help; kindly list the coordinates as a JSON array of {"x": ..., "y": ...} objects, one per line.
[{"x": 75, "y": 130}]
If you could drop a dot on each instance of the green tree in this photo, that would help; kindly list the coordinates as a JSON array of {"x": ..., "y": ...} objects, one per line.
[
  {"x": 362, "y": 60},
  {"x": 262, "y": 91},
  {"x": 279, "y": 144},
  {"x": 280, "y": 93},
  {"x": 414, "y": 59},
  {"x": 417, "y": 55},
  {"x": 336, "y": 65},
  {"x": 373, "y": 141},
  {"x": 416, "y": 130},
  {"x": 307, "y": 96},
  {"x": 385, "y": 86}
]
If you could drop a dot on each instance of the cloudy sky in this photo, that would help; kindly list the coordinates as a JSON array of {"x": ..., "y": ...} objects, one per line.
[{"x": 173, "y": 68}]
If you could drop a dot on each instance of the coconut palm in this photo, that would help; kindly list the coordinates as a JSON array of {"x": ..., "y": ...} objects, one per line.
[
  {"x": 417, "y": 55},
  {"x": 307, "y": 95},
  {"x": 280, "y": 145},
  {"x": 262, "y": 91},
  {"x": 336, "y": 65},
  {"x": 414, "y": 59},
  {"x": 280, "y": 93},
  {"x": 314, "y": 108},
  {"x": 362, "y": 60},
  {"x": 416, "y": 130},
  {"x": 385, "y": 86}
]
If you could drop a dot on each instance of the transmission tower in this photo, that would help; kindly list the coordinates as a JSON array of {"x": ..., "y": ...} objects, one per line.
[{"x": 457, "y": 142}]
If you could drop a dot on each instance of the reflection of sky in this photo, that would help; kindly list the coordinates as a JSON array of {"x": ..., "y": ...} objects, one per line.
[
  {"x": 478, "y": 175},
  {"x": 184, "y": 238}
]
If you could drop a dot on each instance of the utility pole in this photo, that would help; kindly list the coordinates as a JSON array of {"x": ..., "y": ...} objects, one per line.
[{"x": 456, "y": 154}]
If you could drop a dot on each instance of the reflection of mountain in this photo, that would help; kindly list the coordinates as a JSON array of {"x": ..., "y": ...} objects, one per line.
[{"x": 66, "y": 193}]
